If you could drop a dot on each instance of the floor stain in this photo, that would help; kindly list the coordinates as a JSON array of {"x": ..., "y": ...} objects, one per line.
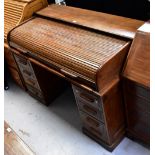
[{"x": 24, "y": 133}]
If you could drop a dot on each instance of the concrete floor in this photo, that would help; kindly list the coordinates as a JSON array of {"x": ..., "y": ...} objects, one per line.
[{"x": 55, "y": 130}]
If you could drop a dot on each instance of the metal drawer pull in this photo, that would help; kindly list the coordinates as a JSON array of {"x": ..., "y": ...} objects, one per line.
[
  {"x": 24, "y": 62},
  {"x": 27, "y": 72},
  {"x": 95, "y": 131},
  {"x": 91, "y": 121},
  {"x": 32, "y": 82},
  {"x": 87, "y": 98},
  {"x": 90, "y": 110},
  {"x": 68, "y": 73}
]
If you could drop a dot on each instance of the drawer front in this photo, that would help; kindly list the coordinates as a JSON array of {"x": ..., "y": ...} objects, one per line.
[
  {"x": 94, "y": 112},
  {"x": 27, "y": 71},
  {"x": 92, "y": 125},
  {"x": 32, "y": 82},
  {"x": 22, "y": 61},
  {"x": 135, "y": 88},
  {"x": 87, "y": 97},
  {"x": 24, "y": 65},
  {"x": 137, "y": 103},
  {"x": 16, "y": 77},
  {"x": 35, "y": 93}
]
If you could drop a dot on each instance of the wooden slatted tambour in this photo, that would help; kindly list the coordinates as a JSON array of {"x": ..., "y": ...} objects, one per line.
[
  {"x": 71, "y": 49},
  {"x": 16, "y": 11},
  {"x": 137, "y": 86}
]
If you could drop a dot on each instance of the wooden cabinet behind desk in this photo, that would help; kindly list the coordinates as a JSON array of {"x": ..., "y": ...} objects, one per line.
[{"x": 136, "y": 86}]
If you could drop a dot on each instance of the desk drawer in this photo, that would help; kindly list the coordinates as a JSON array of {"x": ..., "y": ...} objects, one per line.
[
  {"x": 24, "y": 65},
  {"x": 92, "y": 125},
  {"x": 136, "y": 89},
  {"x": 87, "y": 97},
  {"x": 29, "y": 77},
  {"x": 94, "y": 112},
  {"x": 27, "y": 71},
  {"x": 32, "y": 82},
  {"x": 21, "y": 60},
  {"x": 35, "y": 92}
]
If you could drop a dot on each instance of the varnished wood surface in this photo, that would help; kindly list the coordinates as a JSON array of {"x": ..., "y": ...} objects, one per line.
[
  {"x": 70, "y": 48},
  {"x": 103, "y": 115},
  {"x": 137, "y": 106},
  {"x": 74, "y": 52},
  {"x": 117, "y": 25},
  {"x": 12, "y": 66},
  {"x": 136, "y": 85},
  {"x": 16, "y": 11},
  {"x": 13, "y": 145},
  {"x": 9, "y": 57},
  {"x": 138, "y": 63}
]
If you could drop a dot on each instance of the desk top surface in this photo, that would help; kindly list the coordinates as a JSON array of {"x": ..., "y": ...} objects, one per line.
[{"x": 112, "y": 24}]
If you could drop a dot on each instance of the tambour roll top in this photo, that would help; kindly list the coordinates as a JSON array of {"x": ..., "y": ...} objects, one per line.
[
  {"x": 16, "y": 11},
  {"x": 67, "y": 47},
  {"x": 76, "y": 50}
]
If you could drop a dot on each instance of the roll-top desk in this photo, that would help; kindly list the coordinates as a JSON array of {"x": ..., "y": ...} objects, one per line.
[{"x": 87, "y": 49}]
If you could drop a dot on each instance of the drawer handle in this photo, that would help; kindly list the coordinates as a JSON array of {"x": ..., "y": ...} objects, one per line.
[
  {"x": 87, "y": 98},
  {"x": 27, "y": 72},
  {"x": 90, "y": 110},
  {"x": 94, "y": 123},
  {"x": 95, "y": 131},
  {"x": 22, "y": 61},
  {"x": 32, "y": 82},
  {"x": 68, "y": 73}
]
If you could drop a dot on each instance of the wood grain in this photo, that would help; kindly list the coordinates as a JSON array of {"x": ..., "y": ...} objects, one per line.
[
  {"x": 138, "y": 63},
  {"x": 117, "y": 25},
  {"x": 13, "y": 145},
  {"x": 136, "y": 84},
  {"x": 79, "y": 52},
  {"x": 137, "y": 106},
  {"x": 103, "y": 118},
  {"x": 16, "y": 11}
]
